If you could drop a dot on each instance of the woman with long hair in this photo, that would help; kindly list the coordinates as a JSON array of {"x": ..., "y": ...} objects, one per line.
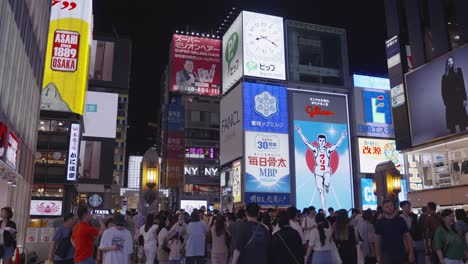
[
  {"x": 345, "y": 238},
  {"x": 449, "y": 246},
  {"x": 163, "y": 247},
  {"x": 320, "y": 242},
  {"x": 9, "y": 235},
  {"x": 149, "y": 233},
  {"x": 220, "y": 237}
]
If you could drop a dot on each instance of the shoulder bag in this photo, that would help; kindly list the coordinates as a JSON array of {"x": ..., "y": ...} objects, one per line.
[
  {"x": 64, "y": 246},
  {"x": 289, "y": 250}
]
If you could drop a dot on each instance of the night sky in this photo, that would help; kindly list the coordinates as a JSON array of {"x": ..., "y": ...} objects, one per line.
[{"x": 150, "y": 26}]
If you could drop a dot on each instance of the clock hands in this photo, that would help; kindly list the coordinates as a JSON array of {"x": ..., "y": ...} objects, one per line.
[{"x": 266, "y": 38}]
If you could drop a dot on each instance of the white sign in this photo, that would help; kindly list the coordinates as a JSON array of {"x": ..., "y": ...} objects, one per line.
[
  {"x": 72, "y": 165},
  {"x": 236, "y": 181},
  {"x": 12, "y": 151},
  {"x": 397, "y": 90},
  {"x": 232, "y": 54},
  {"x": 190, "y": 205},
  {"x": 374, "y": 151},
  {"x": 47, "y": 234},
  {"x": 231, "y": 126},
  {"x": 100, "y": 115},
  {"x": 196, "y": 171},
  {"x": 398, "y": 100},
  {"x": 267, "y": 162},
  {"x": 32, "y": 235},
  {"x": 46, "y": 208},
  {"x": 263, "y": 39}
]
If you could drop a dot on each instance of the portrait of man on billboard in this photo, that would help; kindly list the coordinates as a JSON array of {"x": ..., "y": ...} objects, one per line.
[
  {"x": 322, "y": 154},
  {"x": 454, "y": 96},
  {"x": 187, "y": 76}
]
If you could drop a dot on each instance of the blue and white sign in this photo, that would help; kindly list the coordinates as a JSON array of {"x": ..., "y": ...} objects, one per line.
[
  {"x": 268, "y": 199},
  {"x": 369, "y": 200},
  {"x": 175, "y": 117},
  {"x": 377, "y": 107},
  {"x": 265, "y": 108},
  {"x": 266, "y": 162},
  {"x": 371, "y": 82}
]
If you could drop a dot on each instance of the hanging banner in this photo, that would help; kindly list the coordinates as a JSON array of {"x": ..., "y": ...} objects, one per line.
[{"x": 67, "y": 56}]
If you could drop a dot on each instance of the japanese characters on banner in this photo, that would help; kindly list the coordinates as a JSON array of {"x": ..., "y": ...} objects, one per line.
[
  {"x": 232, "y": 54},
  {"x": 196, "y": 65},
  {"x": 263, "y": 38},
  {"x": 374, "y": 151},
  {"x": 175, "y": 145},
  {"x": 175, "y": 117},
  {"x": 67, "y": 56},
  {"x": 415, "y": 179},
  {"x": 266, "y": 143},
  {"x": 237, "y": 181},
  {"x": 322, "y": 150},
  {"x": 201, "y": 153},
  {"x": 72, "y": 163}
]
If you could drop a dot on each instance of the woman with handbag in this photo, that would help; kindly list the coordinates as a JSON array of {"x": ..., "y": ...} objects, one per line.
[
  {"x": 448, "y": 244},
  {"x": 163, "y": 248},
  {"x": 345, "y": 238},
  {"x": 286, "y": 244}
]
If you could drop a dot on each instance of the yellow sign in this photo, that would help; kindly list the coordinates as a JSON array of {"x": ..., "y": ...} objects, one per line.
[
  {"x": 67, "y": 56},
  {"x": 237, "y": 181}
]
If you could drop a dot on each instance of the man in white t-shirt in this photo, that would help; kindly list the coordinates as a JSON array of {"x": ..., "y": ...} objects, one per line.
[{"x": 116, "y": 243}]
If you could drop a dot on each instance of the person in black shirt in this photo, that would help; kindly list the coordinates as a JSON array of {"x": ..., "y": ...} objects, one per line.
[
  {"x": 286, "y": 244},
  {"x": 253, "y": 239},
  {"x": 392, "y": 237},
  {"x": 331, "y": 217},
  {"x": 8, "y": 228}
]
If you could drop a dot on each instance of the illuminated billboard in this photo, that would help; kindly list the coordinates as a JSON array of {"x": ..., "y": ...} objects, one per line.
[
  {"x": 374, "y": 151},
  {"x": 437, "y": 97},
  {"x": 237, "y": 181},
  {"x": 196, "y": 65},
  {"x": 323, "y": 166},
  {"x": 67, "y": 57},
  {"x": 231, "y": 126},
  {"x": 190, "y": 205},
  {"x": 232, "y": 55},
  {"x": 100, "y": 115},
  {"x": 263, "y": 42},
  {"x": 45, "y": 208}
]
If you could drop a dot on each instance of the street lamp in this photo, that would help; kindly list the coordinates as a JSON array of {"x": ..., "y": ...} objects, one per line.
[
  {"x": 149, "y": 182},
  {"x": 386, "y": 183}
]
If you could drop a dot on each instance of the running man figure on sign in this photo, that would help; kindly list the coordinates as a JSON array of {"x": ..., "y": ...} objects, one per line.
[{"x": 322, "y": 154}]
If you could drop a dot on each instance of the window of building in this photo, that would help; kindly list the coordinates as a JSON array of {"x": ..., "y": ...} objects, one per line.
[{"x": 101, "y": 60}]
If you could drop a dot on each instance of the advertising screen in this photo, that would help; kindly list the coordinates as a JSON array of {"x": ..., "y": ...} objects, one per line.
[
  {"x": 67, "y": 57},
  {"x": 232, "y": 55},
  {"x": 369, "y": 200},
  {"x": 100, "y": 116},
  {"x": 190, "y": 205},
  {"x": 377, "y": 107},
  {"x": 237, "y": 181},
  {"x": 437, "y": 97},
  {"x": 90, "y": 158},
  {"x": 101, "y": 60},
  {"x": 231, "y": 127},
  {"x": 374, "y": 151},
  {"x": 196, "y": 65},
  {"x": 45, "y": 208},
  {"x": 322, "y": 151},
  {"x": 263, "y": 38}
]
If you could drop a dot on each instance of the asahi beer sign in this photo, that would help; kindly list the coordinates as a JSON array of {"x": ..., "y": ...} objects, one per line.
[{"x": 65, "y": 50}]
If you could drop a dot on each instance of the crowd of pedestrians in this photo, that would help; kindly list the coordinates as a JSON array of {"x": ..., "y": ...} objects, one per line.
[{"x": 275, "y": 236}]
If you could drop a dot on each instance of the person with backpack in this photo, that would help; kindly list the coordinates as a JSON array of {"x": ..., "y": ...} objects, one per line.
[
  {"x": 448, "y": 245},
  {"x": 61, "y": 250}
]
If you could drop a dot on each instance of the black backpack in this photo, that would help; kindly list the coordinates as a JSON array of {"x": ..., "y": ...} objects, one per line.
[{"x": 64, "y": 246}]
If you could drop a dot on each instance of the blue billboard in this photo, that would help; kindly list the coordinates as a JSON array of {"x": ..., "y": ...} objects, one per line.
[
  {"x": 265, "y": 108},
  {"x": 369, "y": 200},
  {"x": 377, "y": 108},
  {"x": 175, "y": 118}
]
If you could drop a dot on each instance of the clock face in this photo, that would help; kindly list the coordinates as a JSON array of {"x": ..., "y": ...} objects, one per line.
[{"x": 264, "y": 39}]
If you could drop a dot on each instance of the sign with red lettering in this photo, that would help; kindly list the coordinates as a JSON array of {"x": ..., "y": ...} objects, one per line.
[
  {"x": 374, "y": 151},
  {"x": 65, "y": 51},
  {"x": 12, "y": 151}
]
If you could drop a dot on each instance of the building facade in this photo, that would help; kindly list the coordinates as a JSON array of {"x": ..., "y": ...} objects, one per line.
[
  {"x": 426, "y": 48},
  {"x": 23, "y": 40}
]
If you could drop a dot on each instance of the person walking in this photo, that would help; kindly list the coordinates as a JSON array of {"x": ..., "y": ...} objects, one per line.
[
  {"x": 431, "y": 222},
  {"x": 286, "y": 244},
  {"x": 177, "y": 236},
  {"x": 116, "y": 242},
  {"x": 220, "y": 239},
  {"x": 345, "y": 238},
  {"x": 320, "y": 240},
  {"x": 448, "y": 245},
  {"x": 196, "y": 240},
  {"x": 83, "y": 237},
  {"x": 61, "y": 250},
  {"x": 393, "y": 242},
  {"x": 149, "y": 233},
  {"x": 366, "y": 232},
  {"x": 8, "y": 227},
  {"x": 163, "y": 244},
  {"x": 416, "y": 231}
]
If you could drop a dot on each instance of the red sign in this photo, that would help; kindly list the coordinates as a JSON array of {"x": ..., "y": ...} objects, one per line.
[
  {"x": 65, "y": 51},
  {"x": 3, "y": 138},
  {"x": 175, "y": 145},
  {"x": 12, "y": 151},
  {"x": 196, "y": 65}
]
